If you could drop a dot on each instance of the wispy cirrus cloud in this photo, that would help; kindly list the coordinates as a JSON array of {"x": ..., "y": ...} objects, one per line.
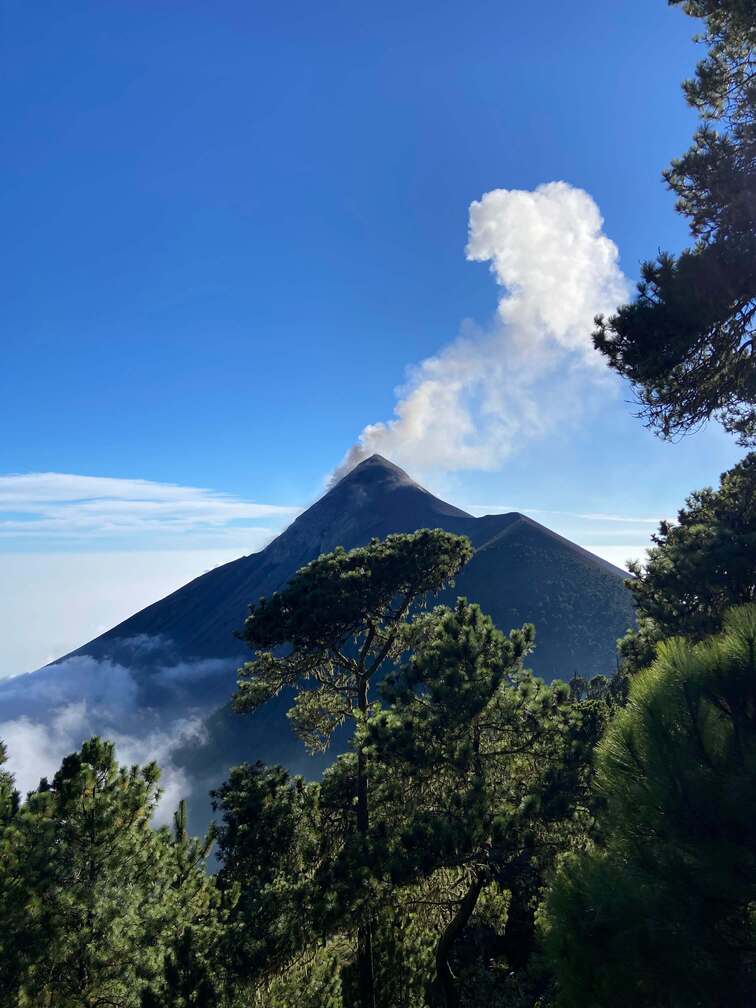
[
  {"x": 592, "y": 516},
  {"x": 618, "y": 538},
  {"x": 70, "y": 507}
]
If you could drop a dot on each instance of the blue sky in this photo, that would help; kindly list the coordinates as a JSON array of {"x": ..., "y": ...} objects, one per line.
[{"x": 230, "y": 229}]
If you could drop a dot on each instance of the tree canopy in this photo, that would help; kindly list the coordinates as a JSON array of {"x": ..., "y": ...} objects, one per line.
[
  {"x": 483, "y": 772},
  {"x": 340, "y": 619},
  {"x": 477, "y": 775},
  {"x": 662, "y": 911},
  {"x": 268, "y": 849},
  {"x": 698, "y": 567},
  {"x": 93, "y": 899}
]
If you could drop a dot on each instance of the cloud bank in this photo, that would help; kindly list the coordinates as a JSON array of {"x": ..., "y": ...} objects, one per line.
[
  {"x": 149, "y": 715},
  {"x": 472, "y": 404},
  {"x": 36, "y": 750},
  {"x": 62, "y": 506}
]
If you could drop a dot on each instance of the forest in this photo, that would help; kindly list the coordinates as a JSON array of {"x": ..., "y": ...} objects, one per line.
[{"x": 487, "y": 839}]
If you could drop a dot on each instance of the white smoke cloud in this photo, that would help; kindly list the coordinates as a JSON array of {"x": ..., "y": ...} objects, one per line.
[{"x": 470, "y": 405}]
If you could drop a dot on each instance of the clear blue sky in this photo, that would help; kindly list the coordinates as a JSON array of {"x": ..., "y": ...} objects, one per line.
[{"x": 229, "y": 228}]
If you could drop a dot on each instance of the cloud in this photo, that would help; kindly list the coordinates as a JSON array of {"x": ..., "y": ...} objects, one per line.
[
  {"x": 107, "y": 687},
  {"x": 134, "y": 688},
  {"x": 485, "y": 509},
  {"x": 149, "y": 714},
  {"x": 63, "y": 506},
  {"x": 36, "y": 750},
  {"x": 476, "y": 401}
]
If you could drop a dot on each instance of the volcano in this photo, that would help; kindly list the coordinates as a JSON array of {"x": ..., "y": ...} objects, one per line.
[
  {"x": 521, "y": 572},
  {"x": 179, "y": 656}
]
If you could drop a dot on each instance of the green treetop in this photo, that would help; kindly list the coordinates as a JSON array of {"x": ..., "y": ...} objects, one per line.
[
  {"x": 92, "y": 898},
  {"x": 698, "y": 566}
]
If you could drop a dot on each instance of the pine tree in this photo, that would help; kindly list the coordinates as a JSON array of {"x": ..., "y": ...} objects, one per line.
[
  {"x": 698, "y": 567},
  {"x": 342, "y": 620},
  {"x": 484, "y": 771},
  {"x": 9, "y": 797},
  {"x": 196, "y": 972},
  {"x": 92, "y": 897},
  {"x": 269, "y": 840},
  {"x": 662, "y": 912}
]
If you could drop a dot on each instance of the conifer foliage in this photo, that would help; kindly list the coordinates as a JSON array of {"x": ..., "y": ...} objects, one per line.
[
  {"x": 662, "y": 912},
  {"x": 698, "y": 567},
  {"x": 488, "y": 769},
  {"x": 488, "y": 838},
  {"x": 92, "y": 897},
  {"x": 342, "y": 619}
]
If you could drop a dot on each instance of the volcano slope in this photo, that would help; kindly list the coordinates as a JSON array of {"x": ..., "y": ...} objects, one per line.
[{"x": 175, "y": 661}]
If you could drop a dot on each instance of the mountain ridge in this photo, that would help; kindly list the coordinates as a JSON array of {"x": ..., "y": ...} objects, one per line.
[{"x": 341, "y": 517}]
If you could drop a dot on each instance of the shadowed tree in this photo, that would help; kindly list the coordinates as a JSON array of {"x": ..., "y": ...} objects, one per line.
[
  {"x": 196, "y": 971},
  {"x": 268, "y": 847},
  {"x": 8, "y": 795},
  {"x": 337, "y": 626},
  {"x": 484, "y": 771},
  {"x": 662, "y": 913},
  {"x": 687, "y": 341},
  {"x": 697, "y": 568}
]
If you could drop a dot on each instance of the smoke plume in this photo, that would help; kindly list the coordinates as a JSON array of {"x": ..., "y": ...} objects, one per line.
[{"x": 474, "y": 402}]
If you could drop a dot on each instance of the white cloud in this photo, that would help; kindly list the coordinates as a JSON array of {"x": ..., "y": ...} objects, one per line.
[
  {"x": 82, "y": 553},
  {"x": 64, "y": 506},
  {"x": 160, "y": 746},
  {"x": 36, "y": 750},
  {"x": 117, "y": 698},
  {"x": 472, "y": 404},
  {"x": 485, "y": 509},
  {"x": 547, "y": 249},
  {"x": 50, "y": 713}
]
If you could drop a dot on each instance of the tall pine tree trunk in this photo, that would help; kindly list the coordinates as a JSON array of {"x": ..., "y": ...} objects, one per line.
[
  {"x": 442, "y": 991},
  {"x": 365, "y": 930}
]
